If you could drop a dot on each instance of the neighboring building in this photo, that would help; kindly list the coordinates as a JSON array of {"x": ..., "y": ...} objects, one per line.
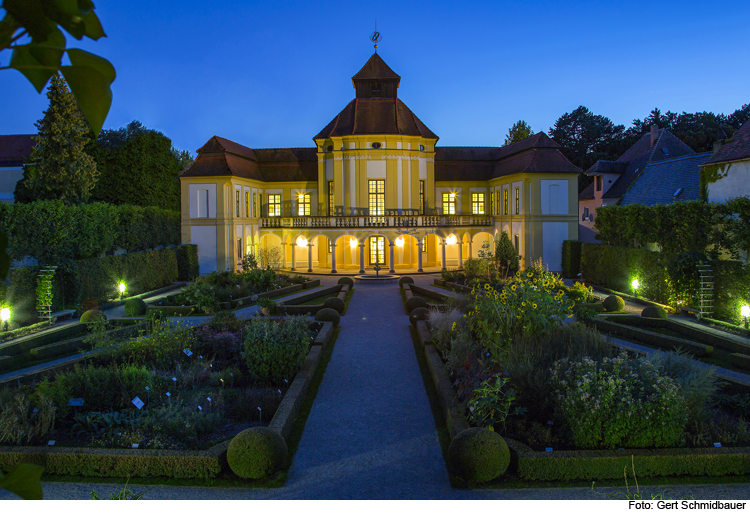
[
  {"x": 376, "y": 190},
  {"x": 14, "y": 150},
  {"x": 615, "y": 180},
  {"x": 730, "y": 165},
  {"x": 666, "y": 182}
]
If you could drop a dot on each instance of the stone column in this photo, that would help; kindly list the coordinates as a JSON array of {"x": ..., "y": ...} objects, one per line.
[
  {"x": 460, "y": 254},
  {"x": 469, "y": 247},
  {"x": 442, "y": 244},
  {"x": 419, "y": 256},
  {"x": 392, "y": 270},
  {"x": 361, "y": 257},
  {"x": 333, "y": 258},
  {"x": 294, "y": 246},
  {"x": 309, "y": 257},
  {"x": 283, "y": 255}
]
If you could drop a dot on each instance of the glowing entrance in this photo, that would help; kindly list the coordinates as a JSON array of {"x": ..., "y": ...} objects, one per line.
[{"x": 377, "y": 250}]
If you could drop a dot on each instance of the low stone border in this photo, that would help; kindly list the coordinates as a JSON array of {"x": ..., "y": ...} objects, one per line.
[
  {"x": 114, "y": 304},
  {"x": 458, "y": 288},
  {"x": 305, "y": 309},
  {"x": 584, "y": 464},
  {"x": 123, "y": 463},
  {"x": 631, "y": 298}
]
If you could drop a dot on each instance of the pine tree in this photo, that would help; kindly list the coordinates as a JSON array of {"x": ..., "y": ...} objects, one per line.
[
  {"x": 62, "y": 168},
  {"x": 506, "y": 255},
  {"x": 520, "y": 130}
]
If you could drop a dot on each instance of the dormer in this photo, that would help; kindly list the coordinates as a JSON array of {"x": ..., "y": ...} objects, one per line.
[{"x": 376, "y": 80}]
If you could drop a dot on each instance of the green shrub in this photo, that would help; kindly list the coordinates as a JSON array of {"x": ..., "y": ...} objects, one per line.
[
  {"x": 475, "y": 268},
  {"x": 183, "y": 424},
  {"x": 571, "y": 258},
  {"x": 415, "y": 302},
  {"x": 621, "y": 402},
  {"x": 477, "y": 455},
  {"x": 202, "y": 295},
  {"x": 613, "y": 303},
  {"x": 187, "y": 262},
  {"x": 90, "y": 316},
  {"x": 135, "y": 307},
  {"x": 23, "y": 421},
  {"x": 418, "y": 314},
  {"x": 275, "y": 350},
  {"x": 579, "y": 293},
  {"x": 346, "y": 280},
  {"x": 405, "y": 280},
  {"x": 442, "y": 327},
  {"x": 256, "y": 453},
  {"x": 328, "y": 315},
  {"x": 225, "y": 321},
  {"x": 161, "y": 349},
  {"x": 506, "y": 256},
  {"x": 335, "y": 303},
  {"x": 491, "y": 403},
  {"x": 654, "y": 312}
]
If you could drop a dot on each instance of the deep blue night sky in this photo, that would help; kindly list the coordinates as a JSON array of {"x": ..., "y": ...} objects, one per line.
[{"x": 273, "y": 74}]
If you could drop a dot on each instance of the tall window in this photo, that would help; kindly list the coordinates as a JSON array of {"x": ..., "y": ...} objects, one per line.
[
  {"x": 449, "y": 203},
  {"x": 505, "y": 201},
  {"x": 237, "y": 203},
  {"x": 492, "y": 203},
  {"x": 255, "y": 205},
  {"x": 303, "y": 204},
  {"x": 424, "y": 245},
  {"x": 377, "y": 197},
  {"x": 331, "y": 207},
  {"x": 497, "y": 203},
  {"x": 598, "y": 183},
  {"x": 477, "y": 203},
  {"x": 274, "y": 205},
  {"x": 239, "y": 249},
  {"x": 247, "y": 203},
  {"x": 518, "y": 200},
  {"x": 421, "y": 197},
  {"x": 330, "y": 246},
  {"x": 377, "y": 250},
  {"x": 516, "y": 243}
]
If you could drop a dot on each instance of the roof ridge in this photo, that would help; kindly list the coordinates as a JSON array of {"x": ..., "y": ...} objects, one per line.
[{"x": 679, "y": 158}]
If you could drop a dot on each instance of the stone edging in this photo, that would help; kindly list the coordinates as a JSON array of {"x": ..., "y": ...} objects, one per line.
[{"x": 165, "y": 463}]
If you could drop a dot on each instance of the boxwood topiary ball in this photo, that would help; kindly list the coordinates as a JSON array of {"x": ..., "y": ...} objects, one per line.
[
  {"x": 415, "y": 302},
  {"x": 90, "y": 315},
  {"x": 256, "y": 453},
  {"x": 346, "y": 280},
  {"x": 334, "y": 303},
  {"x": 135, "y": 307},
  {"x": 328, "y": 315},
  {"x": 613, "y": 303},
  {"x": 418, "y": 314},
  {"x": 654, "y": 312},
  {"x": 405, "y": 280},
  {"x": 478, "y": 455}
]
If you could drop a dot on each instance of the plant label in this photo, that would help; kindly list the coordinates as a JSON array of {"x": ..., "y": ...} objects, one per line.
[
  {"x": 200, "y": 408},
  {"x": 138, "y": 403},
  {"x": 51, "y": 443},
  {"x": 35, "y": 410},
  {"x": 209, "y": 398},
  {"x": 187, "y": 352},
  {"x": 717, "y": 444},
  {"x": 147, "y": 388},
  {"x": 550, "y": 422},
  {"x": 135, "y": 446},
  {"x": 174, "y": 379},
  {"x": 76, "y": 402},
  {"x": 168, "y": 395},
  {"x": 548, "y": 449}
]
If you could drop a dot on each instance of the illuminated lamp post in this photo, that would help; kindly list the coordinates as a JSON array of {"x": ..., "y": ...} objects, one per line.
[
  {"x": 121, "y": 288},
  {"x": 744, "y": 311},
  {"x": 5, "y": 316},
  {"x": 635, "y": 284}
]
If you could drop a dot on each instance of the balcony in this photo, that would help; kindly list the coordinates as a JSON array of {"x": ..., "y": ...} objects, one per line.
[{"x": 392, "y": 219}]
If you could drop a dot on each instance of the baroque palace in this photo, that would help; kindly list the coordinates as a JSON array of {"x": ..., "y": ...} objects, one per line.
[{"x": 375, "y": 190}]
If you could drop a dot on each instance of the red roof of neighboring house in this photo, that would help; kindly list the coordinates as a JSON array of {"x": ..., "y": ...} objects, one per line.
[
  {"x": 14, "y": 149},
  {"x": 735, "y": 149}
]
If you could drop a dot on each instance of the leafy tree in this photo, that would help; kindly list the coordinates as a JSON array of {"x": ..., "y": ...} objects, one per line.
[
  {"x": 184, "y": 158},
  {"x": 586, "y": 137},
  {"x": 520, "y": 130},
  {"x": 62, "y": 169},
  {"x": 739, "y": 117},
  {"x": 138, "y": 166},
  {"x": 88, "y": 75},
  {"x": 506, "y": 255}
]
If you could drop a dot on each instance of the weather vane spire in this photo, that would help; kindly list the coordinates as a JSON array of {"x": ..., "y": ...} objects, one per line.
[{"x": 375, "y": 37}]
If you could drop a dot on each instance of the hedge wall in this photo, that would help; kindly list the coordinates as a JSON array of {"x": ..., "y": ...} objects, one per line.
[
  {"x": 93, "y": 281},
  {"x": 571, "y": 258},
  {"x": 615, "y": 267},
  {"x": 187, "y": 262},
  {"x": 54, "y": 232}
]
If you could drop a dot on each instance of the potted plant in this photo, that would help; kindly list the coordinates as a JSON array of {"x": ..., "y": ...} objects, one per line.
[{"x": 267, "y": 305}]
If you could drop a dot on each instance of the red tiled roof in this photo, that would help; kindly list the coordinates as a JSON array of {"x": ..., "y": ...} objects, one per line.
[
  {"x": 15, "y": 148},
  {"x": 378, "y": 117},
  {"x": 734, "y": 149},
  {"x": 376, "y": 68}
]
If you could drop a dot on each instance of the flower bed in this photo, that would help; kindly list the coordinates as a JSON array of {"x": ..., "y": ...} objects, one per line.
[
  {"x": 198, "y": 388},
  {"x": 519, "y": 371}
]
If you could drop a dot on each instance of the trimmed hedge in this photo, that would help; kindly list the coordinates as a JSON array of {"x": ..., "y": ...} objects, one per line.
[
  {"x": 187, "y": 262},
  {"x": 571, "y": 258}
]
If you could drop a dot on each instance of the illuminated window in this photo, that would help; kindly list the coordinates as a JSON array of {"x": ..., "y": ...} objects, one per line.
[
  {"x": 331, "y": 207},
  {"x": 477, "y": 203},
  {"x": 255, "y": 204},
  {"x": 424, "y": 245},
  {"x": 274, "y": 205},
  {"x": 492, "y": 203},
  {"x": 377, "y": 250},
  {"x": 421, "y": 197},
  {"x": 247, "y": 203},
  {"x": 377, "y": 197},
  {"x": 239, "y": 249},
  {"x": 497, "y": 203},
  {"x": 237, "y": 203},
  {"x": 303, "y": 204},
  {"x": 505, "y": 201},
  {"x": 330, "y": 246},
  {"x": 449, "y": 203},
  {"x": 518, "y": 200}
]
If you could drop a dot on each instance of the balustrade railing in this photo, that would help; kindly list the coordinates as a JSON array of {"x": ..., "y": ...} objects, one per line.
[{"x": 338, "y": 222}]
